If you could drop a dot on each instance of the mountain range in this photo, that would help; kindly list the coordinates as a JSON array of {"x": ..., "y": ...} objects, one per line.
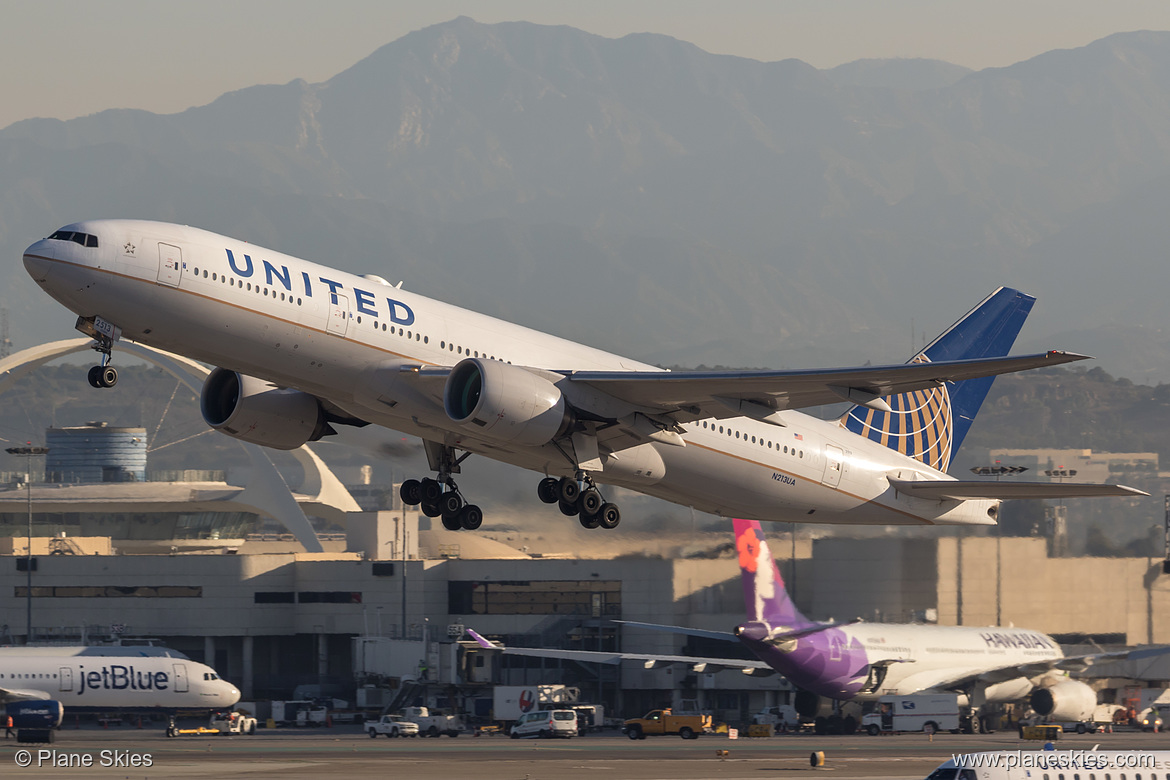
[{"x": 647, "y": 197}]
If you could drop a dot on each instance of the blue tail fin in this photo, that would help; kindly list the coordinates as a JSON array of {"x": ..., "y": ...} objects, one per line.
[
  {"x": 763, "y": 589},
  {"x": 930, "y": 425}
]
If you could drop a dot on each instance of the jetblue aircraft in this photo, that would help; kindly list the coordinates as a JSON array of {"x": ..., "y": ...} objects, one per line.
[
  {"x": 301, "y": 348},
  {"x": 858, "y": 661},
  {"x": 37, "y": 684}
]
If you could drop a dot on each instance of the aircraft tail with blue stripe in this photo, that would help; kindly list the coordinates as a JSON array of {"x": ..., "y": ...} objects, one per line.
[{"x": 930, "y": 425}]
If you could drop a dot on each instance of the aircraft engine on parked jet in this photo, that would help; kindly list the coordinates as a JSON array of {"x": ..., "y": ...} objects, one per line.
[{"x": 1068, "y": 700}]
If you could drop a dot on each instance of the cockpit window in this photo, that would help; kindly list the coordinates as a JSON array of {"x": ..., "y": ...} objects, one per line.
[{"x": 85, "y": 239}]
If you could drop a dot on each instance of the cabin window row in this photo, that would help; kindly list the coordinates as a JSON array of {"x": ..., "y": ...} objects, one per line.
[
  {"x": 760, "y": 440},
  {"x": 230, "y": 281},
  {"x": 249, "y": 287},
  {"x": 45, "y": 676}
]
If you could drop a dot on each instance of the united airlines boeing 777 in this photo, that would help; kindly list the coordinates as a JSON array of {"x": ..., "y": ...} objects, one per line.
[{"x": 301, "y": 348}]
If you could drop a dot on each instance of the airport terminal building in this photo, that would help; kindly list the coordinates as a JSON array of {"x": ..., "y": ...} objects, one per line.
[{"x": 270, "y": 619}]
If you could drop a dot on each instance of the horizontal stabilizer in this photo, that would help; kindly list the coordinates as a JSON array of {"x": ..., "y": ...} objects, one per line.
[{"x": 960, "y": 490}]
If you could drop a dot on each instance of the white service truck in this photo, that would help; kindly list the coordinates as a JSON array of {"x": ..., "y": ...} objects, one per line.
[
  {"x": 781, "y": 718},
  {"x": 433, "y": 725},
  {"x": 392, "y": 726},
  {"x": 926, "y": 712}
]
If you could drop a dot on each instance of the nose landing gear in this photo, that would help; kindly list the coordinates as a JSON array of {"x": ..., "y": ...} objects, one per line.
[{"x": 104, "y": 375}]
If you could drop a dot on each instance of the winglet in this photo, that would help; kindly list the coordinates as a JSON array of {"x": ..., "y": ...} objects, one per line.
[{"x": 479, "y": 640}]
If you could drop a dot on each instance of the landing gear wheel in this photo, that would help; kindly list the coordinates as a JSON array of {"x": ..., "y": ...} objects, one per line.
[
  {"x": 108, "y": 376},
  {"x": 609, "y": 516},
  {"x": 590, "y": 502},
  {"x": 569, "y": 490},
  {"x": 451, "y": 523},
  {"x": 470, "y": 517},
  {"x": 431, "y": 491},
  {"x": 410, "y": 492},
  {"x": 590, "y": 521},
  {"x": 548, "y": 490},
  {"x": 95, "y": 376},
  {"x": 431, "y": 510},
  {"x": 451, "y": 503},
  {"x": 567, "y": 508}
]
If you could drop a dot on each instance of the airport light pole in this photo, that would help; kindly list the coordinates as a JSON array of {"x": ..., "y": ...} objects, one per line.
[{"x": 28, "y": 451}]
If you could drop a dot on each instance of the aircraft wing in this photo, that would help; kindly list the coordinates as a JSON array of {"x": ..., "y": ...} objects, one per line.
[
  {"x": 757, "y": 393},
  {"x": 968, "y": 489},
  {"x": 698, "y": 665},
  {"x": 727, "y": 636},
  {"x": 1070, "y": 663},
  {"x": 21, "y": 694}
]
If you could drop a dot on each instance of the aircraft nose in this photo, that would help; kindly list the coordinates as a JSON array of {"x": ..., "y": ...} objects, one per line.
[{"x": 38, "y": 261}]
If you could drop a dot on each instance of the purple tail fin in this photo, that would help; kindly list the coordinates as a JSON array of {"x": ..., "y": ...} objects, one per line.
[{"x": 763, "y": 588}]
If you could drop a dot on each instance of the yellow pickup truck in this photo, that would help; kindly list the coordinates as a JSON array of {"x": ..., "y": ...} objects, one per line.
[{"x": 657, "y": 722}]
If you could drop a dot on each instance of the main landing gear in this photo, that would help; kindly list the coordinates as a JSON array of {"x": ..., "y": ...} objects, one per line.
[
  {"x": 441, "y": 497},
  {"x": 104, "y": 375},
  {"x": 584, "y": 502}
]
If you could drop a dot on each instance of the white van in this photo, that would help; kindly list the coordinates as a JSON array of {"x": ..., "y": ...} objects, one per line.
[
  {"x": 545, "y": 724},
  {"x": 929, "y": 712}
]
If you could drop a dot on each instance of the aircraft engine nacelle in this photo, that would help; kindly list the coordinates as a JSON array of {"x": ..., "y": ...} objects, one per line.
[
  {"x": 1068, "y": 700},
  {"x": 35, "y": 714},
  {"x": 259, "y": 412},
  {"x": 809, "y": 705},
  {"x": 506, "y": 403}
]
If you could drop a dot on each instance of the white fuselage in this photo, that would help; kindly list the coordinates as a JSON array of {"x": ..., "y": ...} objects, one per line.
[
  {"x": 930, "y": 657},
  {"x": 131, "y": 682},
  {"x": 343, "y": 337}
]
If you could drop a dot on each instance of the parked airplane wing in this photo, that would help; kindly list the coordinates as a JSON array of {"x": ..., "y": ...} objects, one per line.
[
  {"x": 758, "y": 393},
  {"x": 959, "y": 490},
  {"x": 650, "y": 660},
  {"x": 1071, "y": 663},
  {"x": 21, "y": 694}
]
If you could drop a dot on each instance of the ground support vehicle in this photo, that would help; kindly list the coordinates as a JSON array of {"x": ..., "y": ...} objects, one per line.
[
  {"x": 433, "y": 725},
  {"x": 392, "y": 726},
  {"x": 658, "y": 722},
  {"x": 926, "y": 712},
  {"x": 232, "y": 723},
  {"x": 546, "y": 724}
]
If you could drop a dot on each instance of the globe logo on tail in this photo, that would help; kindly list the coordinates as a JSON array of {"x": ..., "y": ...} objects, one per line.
[{"x": 920, "y": 424}]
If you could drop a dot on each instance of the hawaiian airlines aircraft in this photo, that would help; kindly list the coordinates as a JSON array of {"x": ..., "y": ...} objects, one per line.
[
  {"x": 38, "y": 683},
  {"x": 859, "y": 661},
  {"x": 302, "y": 348}
]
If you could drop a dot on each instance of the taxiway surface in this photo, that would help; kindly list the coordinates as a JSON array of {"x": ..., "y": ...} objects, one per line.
[{"x": 291, "y": 754}]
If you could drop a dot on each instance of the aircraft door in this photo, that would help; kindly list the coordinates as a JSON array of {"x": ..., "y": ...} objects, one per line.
[
  {"x": 339, "y": 316},
  {"x": 64, "y": 679},
  {"x": 181, "y": 678},
  {"x": 834, "y": 465},
  {"x": 170, "y": 264}
]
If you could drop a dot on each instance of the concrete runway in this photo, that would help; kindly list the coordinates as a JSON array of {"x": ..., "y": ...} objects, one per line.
[{"x": 292, "y": 754}]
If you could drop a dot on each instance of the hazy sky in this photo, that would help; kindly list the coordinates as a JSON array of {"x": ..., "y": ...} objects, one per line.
[{"x": 68, "y": 58}]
